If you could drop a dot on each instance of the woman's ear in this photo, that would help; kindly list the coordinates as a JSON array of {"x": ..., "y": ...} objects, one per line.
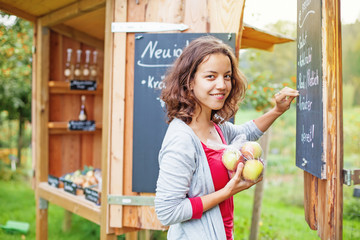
[{"x": 191, "y": 85}]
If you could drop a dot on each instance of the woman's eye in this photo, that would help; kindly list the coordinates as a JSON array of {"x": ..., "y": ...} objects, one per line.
[
  {"x": 210, "y": 76},
  {"x": 227, "y": 77}
]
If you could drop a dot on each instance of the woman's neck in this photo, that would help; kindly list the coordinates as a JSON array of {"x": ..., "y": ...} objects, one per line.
[{"x": 204, "y": 128}]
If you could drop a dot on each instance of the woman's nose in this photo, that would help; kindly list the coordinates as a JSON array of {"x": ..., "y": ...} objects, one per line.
[{"x": 220, "y": 82}]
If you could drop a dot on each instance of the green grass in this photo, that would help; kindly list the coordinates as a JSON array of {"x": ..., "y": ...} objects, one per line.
[{"x": 17, "y": 202}]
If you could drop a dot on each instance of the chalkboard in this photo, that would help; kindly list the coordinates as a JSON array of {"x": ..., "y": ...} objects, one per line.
[
  {"x": 309, "y": 118},
  {"x": 154, "y": 54}
]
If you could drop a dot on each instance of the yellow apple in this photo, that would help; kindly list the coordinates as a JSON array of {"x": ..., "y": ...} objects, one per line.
[
  {"x": 252, "y": 169},
  {"x": 231, "y": 158}
]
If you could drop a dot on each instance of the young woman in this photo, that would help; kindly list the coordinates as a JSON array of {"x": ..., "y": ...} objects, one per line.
[{"x": 194, "y": 193}]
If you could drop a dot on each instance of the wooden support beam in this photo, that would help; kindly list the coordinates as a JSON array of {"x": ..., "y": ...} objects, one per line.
[
  {"x": 41, "y": 112},
  {"x": 226, "y": 16},
  {"x": 71, "y": 11},
  {"x": 117, "y": 116},
  {"x": 331, "y": 190},
  {"x": 78, "y": 36},
  {"x": 323, "y": 199},
  {"x": 108, "y": 63},
  {"x": 18, "y": 12}
]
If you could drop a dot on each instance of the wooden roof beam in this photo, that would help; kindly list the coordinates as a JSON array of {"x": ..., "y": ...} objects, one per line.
[
  {"x": 251, "y": 43},
  {"x": 15, "y": 11},
  {"x": 79, "y": 36},
  {"x": 71, "y": 11}
]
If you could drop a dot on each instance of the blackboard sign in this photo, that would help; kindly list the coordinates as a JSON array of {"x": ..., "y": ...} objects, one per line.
[
  {"x": 87, "y": 125},
  {"x": 70, "y": 187},
  {"x": 88, "y": 85},
  {"x": 92, "y": 195},
  {"x": 309, "y": 120},
  {"x": 154, "y": 54},
  {"x": 53, "y": 181}
]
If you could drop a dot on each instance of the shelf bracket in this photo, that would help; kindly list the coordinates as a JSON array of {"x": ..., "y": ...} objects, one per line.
[
  {"x": 351, "y": 175},
  {"x": 131, "y": 200},
  {"x": 43, "y": 204}
]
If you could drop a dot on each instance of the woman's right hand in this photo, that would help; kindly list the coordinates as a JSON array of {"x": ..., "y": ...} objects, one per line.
[{"x": 237, "y": 183}]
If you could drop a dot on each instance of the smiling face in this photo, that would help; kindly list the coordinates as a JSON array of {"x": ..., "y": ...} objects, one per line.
[{"x": 212, "y": 82}]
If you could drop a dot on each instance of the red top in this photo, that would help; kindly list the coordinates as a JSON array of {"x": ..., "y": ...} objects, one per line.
[{"x": 220, "y": 178}]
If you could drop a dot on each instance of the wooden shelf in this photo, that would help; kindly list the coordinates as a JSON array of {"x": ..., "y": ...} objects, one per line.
[
  {"x": 60, "y": 87},
  {"x": 75, "y": 204},
  {"x": 62, "y": 128}
]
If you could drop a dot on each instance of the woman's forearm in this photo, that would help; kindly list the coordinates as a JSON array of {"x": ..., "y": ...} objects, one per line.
[
  {"x": 265, "y": 121},
  {"x": 211, "y": 200}
]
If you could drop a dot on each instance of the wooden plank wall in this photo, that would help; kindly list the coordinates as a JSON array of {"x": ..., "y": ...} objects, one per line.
[
  {"x": 71, "y": 151},
  {"x": 323, "y": 199},
  {"x": 195, "y": 14}
]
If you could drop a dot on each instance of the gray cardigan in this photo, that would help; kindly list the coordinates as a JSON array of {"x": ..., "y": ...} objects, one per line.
[{"x": 185, "y": 173}]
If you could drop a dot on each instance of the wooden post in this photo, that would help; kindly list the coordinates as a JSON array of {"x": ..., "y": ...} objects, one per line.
[
  {"x": 259, "y": 190},
  {"x": 323, "y": 199},
  {"x": 67, "y": 220},
  {"x": 40, "y": 99},
  {"x": 106, "y": 232}
]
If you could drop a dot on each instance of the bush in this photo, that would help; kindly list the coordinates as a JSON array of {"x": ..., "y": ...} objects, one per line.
[{"x": 7, "y": 174}]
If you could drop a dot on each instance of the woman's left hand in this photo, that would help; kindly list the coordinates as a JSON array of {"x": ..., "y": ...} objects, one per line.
[{"x": 284, "y": 98}]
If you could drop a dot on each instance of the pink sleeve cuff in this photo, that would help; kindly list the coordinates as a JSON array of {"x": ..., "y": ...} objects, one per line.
[{"x": 197, "y": 207}]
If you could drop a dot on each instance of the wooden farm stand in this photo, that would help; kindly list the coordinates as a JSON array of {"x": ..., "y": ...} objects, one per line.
[{"x": 86, "y": 24}]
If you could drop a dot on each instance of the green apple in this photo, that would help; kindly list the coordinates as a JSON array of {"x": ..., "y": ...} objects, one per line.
[
  {"x": 231, "y": 158},
  {"x": 251, "y": 150},
  {"x": 252, "y": 169}
]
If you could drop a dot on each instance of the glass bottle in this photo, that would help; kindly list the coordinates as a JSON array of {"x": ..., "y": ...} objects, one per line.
[
  {"x": 93, "y": 71},
  {"x": 68, "y": 70},
  {"x": 82, "y": 114},
  {"x": 77, "y": 71},
  {"x": 86, "y": 69}
]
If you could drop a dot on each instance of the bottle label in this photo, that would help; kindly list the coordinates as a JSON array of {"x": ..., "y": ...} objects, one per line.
[
  {"x": 93, "y": 73},
  {"x": 77, "y": 72},
  {"x": 67, "y": 72},
  {"x": 86, "y": 72}
]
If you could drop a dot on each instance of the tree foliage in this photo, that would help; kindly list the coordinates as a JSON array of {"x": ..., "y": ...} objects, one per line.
[
  {"x": 268, "y": 72},
  {"x": 15, "y": 68},
  {"x": 351, "y": 59},
  {"x": 16, "y": 72}
]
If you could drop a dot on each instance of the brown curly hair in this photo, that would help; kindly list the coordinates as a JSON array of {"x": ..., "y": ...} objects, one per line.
[{"x": 180, "y": 100}]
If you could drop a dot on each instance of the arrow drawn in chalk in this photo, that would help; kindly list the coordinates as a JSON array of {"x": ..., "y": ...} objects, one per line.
[{"x": 304, "y": 162}]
